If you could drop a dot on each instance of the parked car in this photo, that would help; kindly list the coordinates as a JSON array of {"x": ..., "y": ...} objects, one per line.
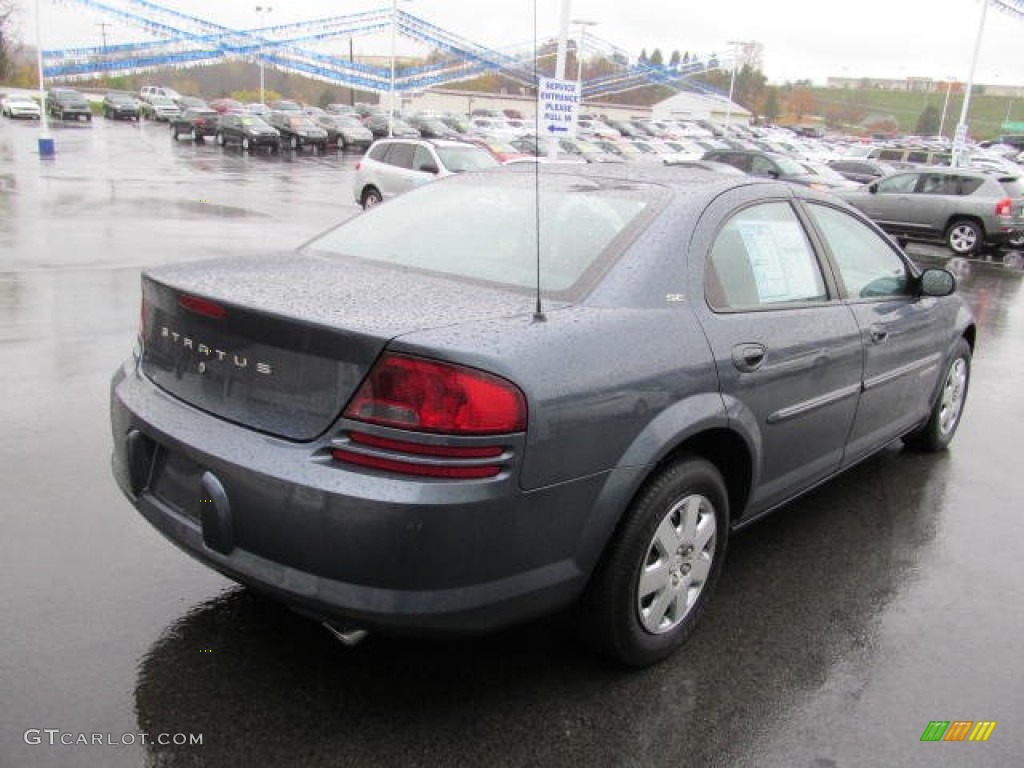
[
  {"x": 228, "y": 105},
  {"x": 199, "y": 124},
  {"x": 248, "y": 131},
  {"x": 378, "y": 126},
  {"x": 160, "y": 108},
  {"x": 192, "y": 102},
  {"x": 18, "y": 105},
  {"x": 150, "y": 92},
  {"x": 345, "y": 131},
  {"x": 432, "y": 128},
  {"x": 286, "y": 105},
  {"x": 863, "y": 171},
  {"x": 773, "y": 166},
  {"x": 120, "y": 106},
  {"x": 256, "y": 108},
  {"x": 964, "y": 208},
  {"x": 394, "y": 166},
  {"x": 297, "y": 130},
  {"x": 434, "y": 418},
  {"x": 68, "y": 104}
]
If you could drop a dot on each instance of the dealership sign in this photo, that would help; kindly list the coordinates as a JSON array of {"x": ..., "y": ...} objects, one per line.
[{"x": 558, "y": 106}]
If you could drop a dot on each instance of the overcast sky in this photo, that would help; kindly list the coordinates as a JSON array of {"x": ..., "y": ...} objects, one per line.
[{"x": 802, "y": 39}]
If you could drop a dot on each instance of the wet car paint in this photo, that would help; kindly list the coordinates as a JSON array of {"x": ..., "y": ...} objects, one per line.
[{"x": 842, "y": 625}]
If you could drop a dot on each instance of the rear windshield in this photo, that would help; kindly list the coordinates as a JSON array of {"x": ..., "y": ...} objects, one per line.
[{"x": 483, "y": 228}]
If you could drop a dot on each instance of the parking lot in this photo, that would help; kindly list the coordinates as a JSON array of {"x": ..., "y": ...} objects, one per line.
[{"x": 842, "y": 626}]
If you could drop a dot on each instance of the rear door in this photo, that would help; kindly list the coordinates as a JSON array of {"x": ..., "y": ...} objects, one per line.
[
  {"x": 398, "y": 175},
  {"x": 787, "y": 350}
]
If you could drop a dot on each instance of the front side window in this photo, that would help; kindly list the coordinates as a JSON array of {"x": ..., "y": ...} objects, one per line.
[
  {"x": 900, "y": 184},
  {"x": 868, "y": 265},
  {"x": 762, "y": 258}
]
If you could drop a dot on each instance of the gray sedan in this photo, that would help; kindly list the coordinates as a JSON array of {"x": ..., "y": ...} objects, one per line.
[
  {"x": 450, "y": 415},
  {"x": 967, "y": 209}
]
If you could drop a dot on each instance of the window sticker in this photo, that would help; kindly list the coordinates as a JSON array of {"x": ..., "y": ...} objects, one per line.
[{"x": 779, "y": 260}]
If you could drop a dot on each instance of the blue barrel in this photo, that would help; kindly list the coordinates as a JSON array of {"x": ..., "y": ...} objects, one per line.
[{"x": 46, "y": 148}]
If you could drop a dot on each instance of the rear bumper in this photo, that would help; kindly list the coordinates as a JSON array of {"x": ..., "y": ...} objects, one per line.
[{"x": 382, "y": 552}]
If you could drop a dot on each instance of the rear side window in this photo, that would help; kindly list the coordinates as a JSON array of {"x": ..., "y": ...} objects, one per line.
[
  {"x": 400, "y": 155},
  {"x": 1012, "y": 187},
  {"x": 761, "y": 258},
  {"x": 891, "y": 155},
  {"x": 377, "y": 152},
  {"x": 969, "y": 184}
]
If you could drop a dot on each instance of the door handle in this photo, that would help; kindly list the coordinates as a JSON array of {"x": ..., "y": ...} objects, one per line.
[
  {"x": 748, "y": 357},
  {"x": 878, "y": 333}
]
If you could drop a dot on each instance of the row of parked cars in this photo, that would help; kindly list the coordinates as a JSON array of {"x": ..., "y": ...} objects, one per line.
[{"x": 909, "y": 190}]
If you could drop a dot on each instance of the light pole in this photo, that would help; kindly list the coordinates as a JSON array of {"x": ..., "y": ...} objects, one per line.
[
  {"x": 394, "y": 30},
  {"x": 582, "y": 24},
  {"x": 46, "y": 148},
  {"x": 262, "y": 10},
  {"x": 732, "y": 78},
  {"x": 945, "y": 103},
  {"x": 960, "y": 139}
]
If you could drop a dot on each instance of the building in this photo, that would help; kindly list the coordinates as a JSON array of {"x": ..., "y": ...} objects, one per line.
[{"x": 698, "y": 106}]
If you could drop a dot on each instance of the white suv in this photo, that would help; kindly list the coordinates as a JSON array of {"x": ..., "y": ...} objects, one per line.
[
  {"x": 149, "y": 91},
  {"x": 394, "y": 166}
]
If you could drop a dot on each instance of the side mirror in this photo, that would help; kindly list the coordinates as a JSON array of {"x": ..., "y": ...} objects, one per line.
[
  {"x": 428, "y": 168},
  {"x": 937, "y": 282},
  {"x": 873, "y": 187},
  {"x": 902, "y": 242}
]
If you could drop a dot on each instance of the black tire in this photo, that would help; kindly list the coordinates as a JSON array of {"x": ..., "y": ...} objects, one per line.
[
  {"x": 371, "y": 198},
  {"x": 964, "y": 237},
  {"x": 640, "y": 621},
  {"x": 940, "y": 429}
]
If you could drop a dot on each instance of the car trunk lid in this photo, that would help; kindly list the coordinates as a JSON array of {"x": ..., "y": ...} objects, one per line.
[{"x": 281, "y": 343}]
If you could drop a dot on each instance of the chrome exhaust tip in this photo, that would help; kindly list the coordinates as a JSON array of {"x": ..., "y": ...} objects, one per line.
[{"x": 348, "y": 636}]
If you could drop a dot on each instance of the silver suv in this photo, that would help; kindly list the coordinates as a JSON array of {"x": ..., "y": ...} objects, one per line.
[
  {"x": 967, "y": 209},
  {"x": 394, "y": 166}
]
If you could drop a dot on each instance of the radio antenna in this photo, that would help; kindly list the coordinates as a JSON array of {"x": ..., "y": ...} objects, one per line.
[{"x": 538, "y": 312}]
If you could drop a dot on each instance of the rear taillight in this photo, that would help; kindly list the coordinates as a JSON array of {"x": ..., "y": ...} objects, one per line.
[
  {"x": 469, "y": 406},
  {"x": 431, "y": 396},
  {"x": 1004, "y": 208},
  {"x": 201, "y": 306}
]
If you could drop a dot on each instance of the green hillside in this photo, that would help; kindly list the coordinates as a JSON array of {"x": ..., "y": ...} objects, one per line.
[{"x": 987, "y": 113}]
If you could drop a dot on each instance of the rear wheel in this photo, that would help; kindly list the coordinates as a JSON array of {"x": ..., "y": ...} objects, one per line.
[
  {"x": 938, "y": 431},
  {"x": 371, "y": 198},
  {"x": 964, "y": 236},
  {"x": 659, "y": 571}
]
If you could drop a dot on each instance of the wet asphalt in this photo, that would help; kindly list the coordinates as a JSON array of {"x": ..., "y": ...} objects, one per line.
[{"x": 842, "y": 625}]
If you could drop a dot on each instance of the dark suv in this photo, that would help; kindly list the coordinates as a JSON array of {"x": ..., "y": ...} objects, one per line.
[
  {"x": 298, "y": 130},
  {"x": 120, "y": 106},
  {"x": 962, "y": 207},
  {"x": 248, "y": 131},
  {"x": 68, "y": 104},
  {"x": 772, "y": 166}
]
